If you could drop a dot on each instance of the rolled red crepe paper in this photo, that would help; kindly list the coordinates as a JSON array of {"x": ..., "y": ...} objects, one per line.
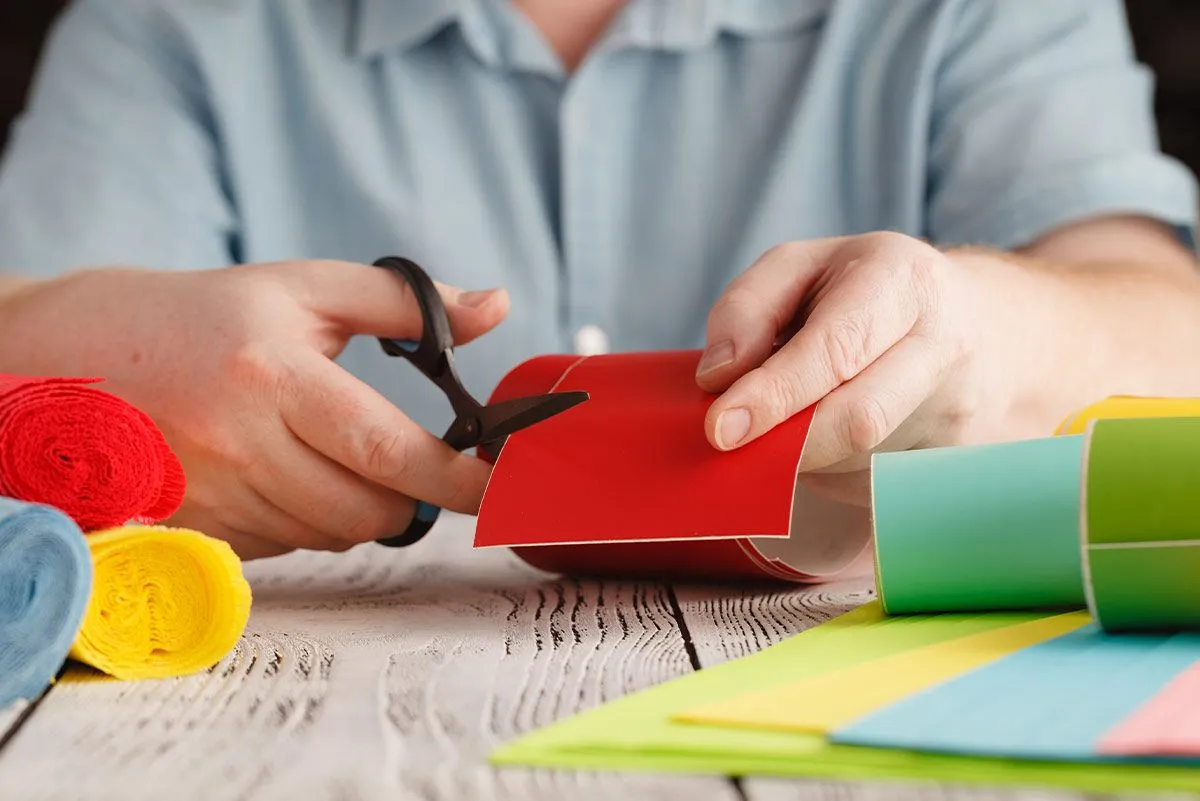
[{"x": 85, "y": 451}]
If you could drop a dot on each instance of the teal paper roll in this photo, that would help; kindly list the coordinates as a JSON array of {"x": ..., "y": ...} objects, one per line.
[
  {"x": 977, "y": 528},
  {"x": 45, "y": 584}
]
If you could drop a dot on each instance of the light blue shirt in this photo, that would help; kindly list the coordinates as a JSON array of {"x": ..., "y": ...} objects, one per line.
[{"x": 616, "y": 201}]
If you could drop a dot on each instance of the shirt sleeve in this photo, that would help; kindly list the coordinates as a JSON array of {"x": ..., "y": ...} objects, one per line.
[
  {"x": 1041, "y": 117},
  {"x": 115, "y": 159}
]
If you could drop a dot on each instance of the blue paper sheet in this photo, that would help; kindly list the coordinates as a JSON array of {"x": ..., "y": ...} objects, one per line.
[
  {"x": 45, "y": 583},
  {"x": 1054, "y": 700}
]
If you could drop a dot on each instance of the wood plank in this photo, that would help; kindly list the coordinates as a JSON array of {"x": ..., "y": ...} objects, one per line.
[
  {"x": 377, "y": 674},
  {"x": 725, "y": 624}
]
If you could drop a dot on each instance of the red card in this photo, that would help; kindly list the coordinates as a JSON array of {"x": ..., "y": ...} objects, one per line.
[{"x": 627, "y": 484}]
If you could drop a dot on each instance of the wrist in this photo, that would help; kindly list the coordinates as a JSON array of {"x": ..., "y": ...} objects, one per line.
[
  {"x": 1028, "y": 324},
  {"x": 14, "y": 293}
]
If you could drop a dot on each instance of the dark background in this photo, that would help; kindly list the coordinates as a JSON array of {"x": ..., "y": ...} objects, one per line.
[{"x": 1166, "y": 35}]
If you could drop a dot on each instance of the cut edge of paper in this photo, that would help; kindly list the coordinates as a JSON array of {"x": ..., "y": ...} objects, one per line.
[
  {"x": 738, "y": 538},
  {"x": 1089, "y": 591},
  {"x": 878, "y": 570},
  {"x": 497, "y": 457}
]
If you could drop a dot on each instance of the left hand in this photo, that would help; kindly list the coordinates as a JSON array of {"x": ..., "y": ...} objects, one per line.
[{"x": 894, "y": 341}]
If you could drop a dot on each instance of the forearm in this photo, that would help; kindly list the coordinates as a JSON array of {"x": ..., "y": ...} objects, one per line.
[
  {"x": 12, "y": 335},
  {"x": 1069, "y": 334},
  {"x": 57, "y": 325}
]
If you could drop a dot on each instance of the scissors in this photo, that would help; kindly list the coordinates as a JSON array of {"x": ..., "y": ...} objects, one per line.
[{"x": 474, "y": 424}]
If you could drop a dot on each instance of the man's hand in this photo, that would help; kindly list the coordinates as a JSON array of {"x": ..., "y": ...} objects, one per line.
[
  {"x": 889, "y": 335},
  {"x": 905, "y": 346},
  {"x": 283, "y": 449}
]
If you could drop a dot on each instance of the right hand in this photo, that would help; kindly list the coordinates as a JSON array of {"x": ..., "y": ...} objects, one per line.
[{"x": 283, "y": 449}]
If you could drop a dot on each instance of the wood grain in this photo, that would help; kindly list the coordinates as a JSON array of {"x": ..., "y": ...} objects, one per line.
[
  {"x": 385, "y": 674},
  {"x": 730, "y": 622},
  {"x": 377, "y": 674}
]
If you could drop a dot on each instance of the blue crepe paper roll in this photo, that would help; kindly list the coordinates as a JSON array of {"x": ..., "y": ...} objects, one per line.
[{"x": 45, "y": 584}]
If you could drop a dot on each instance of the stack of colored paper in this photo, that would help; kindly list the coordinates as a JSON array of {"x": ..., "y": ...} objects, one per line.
[{"x": 998, "y": 698}]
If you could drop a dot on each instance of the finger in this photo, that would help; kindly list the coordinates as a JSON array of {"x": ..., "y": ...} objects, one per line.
[
  {"x": 369, "y": 300},
  {"x": 278, "y": 524},
  {"x": 867, "y": 311},
  {"x": 867, "y": 414},
  {"x": 243, "y": 511},
  {"x": 335, "y": 502},
  {"x": 756, "y": 307},
  {"x": 246, "y": 545},
  {"x": 336, "y": 414}
]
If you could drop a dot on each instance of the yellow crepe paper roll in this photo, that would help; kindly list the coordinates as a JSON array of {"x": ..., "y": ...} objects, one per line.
[
  {"x": 1129, "y": 406},
  {"x": 165, "y": 602}
]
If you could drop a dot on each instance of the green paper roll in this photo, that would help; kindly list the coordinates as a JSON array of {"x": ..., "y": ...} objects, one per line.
[
  {"x": 1140, "y": 531},
  {"x": 979, "y": 528}
]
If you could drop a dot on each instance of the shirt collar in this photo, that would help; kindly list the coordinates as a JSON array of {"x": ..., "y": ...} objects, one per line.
[
  {"x": 391, "y": 25},
  {"x": 397, "y": 25},
  {"x": 684, "y": 24}
]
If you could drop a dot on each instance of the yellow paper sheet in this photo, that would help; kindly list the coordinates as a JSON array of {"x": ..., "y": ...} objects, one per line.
[
  {"x": 165, "y": 602},
  {"x": 1127, "y": 406},
  {"x": 828, "y": 701}
]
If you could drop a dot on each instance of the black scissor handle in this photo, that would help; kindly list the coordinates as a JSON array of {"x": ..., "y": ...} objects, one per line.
[
  {"x": 431, "y": 354},
  {"x": 425, "y": 516},
  {"x": 426, "y": 354}
]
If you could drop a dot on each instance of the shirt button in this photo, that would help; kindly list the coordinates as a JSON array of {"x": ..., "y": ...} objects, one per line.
[{"x": 591, "y": 341}]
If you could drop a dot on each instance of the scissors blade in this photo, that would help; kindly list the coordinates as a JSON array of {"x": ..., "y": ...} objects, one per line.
[{"x": 506, "y": 417}]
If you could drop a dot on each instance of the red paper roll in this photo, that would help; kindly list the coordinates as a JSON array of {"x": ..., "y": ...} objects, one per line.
[
  {"x": 85, "y": 451},
  {"x": 627, "y": 485}
]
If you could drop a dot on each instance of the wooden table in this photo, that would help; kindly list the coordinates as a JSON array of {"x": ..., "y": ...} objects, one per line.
[{"x": 382, "y": 674}]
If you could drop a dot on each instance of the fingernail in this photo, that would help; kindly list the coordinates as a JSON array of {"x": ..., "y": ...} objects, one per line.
[
  {"x": 716, "y": 357},
  {"x": 732, "y": 427},
  {"x": 475, "y": 297}
]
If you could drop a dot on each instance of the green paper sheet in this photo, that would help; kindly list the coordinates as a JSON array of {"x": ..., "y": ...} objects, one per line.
[
  {"x": 1141, "y": 527},
  {"x": 636, "y": 733},
  {"x": 980, "y": 527}
]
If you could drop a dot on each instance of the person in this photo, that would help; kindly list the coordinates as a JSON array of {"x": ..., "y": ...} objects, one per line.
[{"x": 945, "y": 221}]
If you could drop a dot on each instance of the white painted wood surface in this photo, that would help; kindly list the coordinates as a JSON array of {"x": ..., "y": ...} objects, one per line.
[
  {"x": 384, "y": 674},
  {"x": 10, "y": 716}
]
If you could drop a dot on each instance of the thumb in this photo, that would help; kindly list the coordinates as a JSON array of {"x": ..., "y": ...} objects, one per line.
[{"x": 369, "y": 300}]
